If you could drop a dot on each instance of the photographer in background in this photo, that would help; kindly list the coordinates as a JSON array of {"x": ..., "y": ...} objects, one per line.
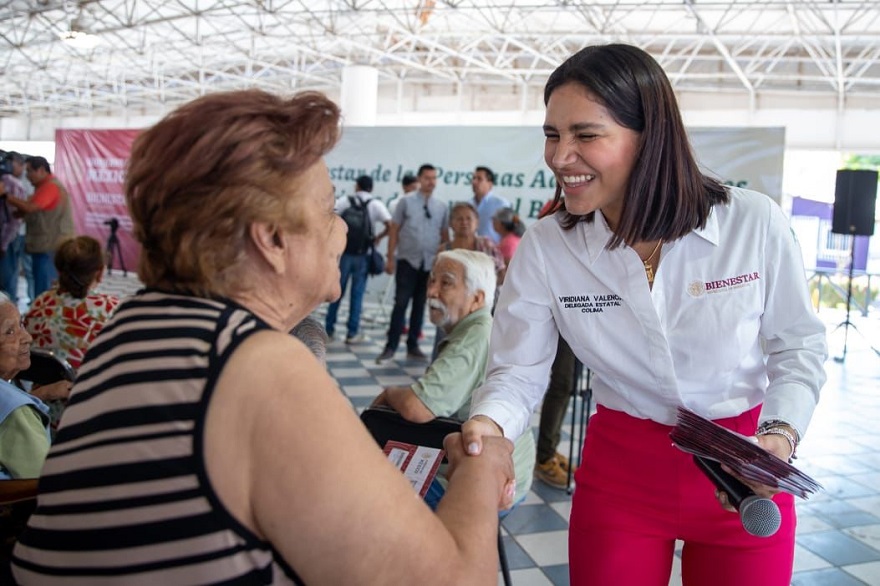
[
  {"x": 11, "y": 226},
  {"x": 49, "y": 220}
]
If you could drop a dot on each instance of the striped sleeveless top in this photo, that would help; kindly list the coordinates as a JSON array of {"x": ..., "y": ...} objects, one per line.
[{"x": 124, "y": 494}]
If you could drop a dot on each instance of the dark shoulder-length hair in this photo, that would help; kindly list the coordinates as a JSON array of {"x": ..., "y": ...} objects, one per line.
[{"x": 667, "y": 195}]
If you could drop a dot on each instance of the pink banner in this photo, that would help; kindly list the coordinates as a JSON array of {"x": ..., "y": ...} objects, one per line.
[{"x": 91, "y": 164}]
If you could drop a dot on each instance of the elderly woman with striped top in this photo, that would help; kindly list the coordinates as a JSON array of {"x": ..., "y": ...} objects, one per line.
[{"x": 202, "y": 443}]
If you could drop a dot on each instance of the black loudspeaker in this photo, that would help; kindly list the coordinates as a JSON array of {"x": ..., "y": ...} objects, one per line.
[{"x": 855, "y": 197}]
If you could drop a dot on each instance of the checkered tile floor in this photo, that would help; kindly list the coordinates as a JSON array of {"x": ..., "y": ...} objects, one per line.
[{"x": 838, "y": 541}]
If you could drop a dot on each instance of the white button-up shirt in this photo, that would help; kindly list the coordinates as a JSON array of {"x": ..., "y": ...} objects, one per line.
[{"x": 727, "y": 326}]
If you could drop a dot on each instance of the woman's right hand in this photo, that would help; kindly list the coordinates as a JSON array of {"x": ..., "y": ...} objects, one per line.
[
  {"x": 496, "y": 453},
  {"x": 474, "y": 429}
]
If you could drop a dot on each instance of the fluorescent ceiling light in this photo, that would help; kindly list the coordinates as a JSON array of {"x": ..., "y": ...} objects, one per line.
[{"x": 80, "y": 40}]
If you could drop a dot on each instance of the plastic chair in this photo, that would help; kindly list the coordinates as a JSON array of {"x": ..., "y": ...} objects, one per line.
[
  {"x": 47, "y": 368},
  {"x": 386, "y": 424}
]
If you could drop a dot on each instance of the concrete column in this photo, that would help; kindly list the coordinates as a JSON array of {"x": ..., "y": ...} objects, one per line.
[{"x": 359, "y": 95}]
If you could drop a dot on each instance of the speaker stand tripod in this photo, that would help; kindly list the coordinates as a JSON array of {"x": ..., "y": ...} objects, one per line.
[
  {"x": 114, "y": 249},
  {"x": 847, "y": 324}
]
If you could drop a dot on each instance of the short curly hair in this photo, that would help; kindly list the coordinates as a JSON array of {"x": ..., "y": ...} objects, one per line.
[{"x": 200, "y": 177}]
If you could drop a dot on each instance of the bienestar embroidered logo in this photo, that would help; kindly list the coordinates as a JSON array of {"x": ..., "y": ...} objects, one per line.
[
  {"x": 590, "y": 303},
  {"x": 697, "y": 288}
]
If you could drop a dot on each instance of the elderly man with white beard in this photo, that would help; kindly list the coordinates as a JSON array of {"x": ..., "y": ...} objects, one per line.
[{"x": 459, "y": 286}]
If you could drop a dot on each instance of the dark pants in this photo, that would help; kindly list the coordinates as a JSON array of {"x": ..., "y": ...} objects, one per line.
[
  {"x": 44, "y": 271},
  {"x": 9, "y": 266},
  {"x": 354, "y": 266},
  {"x": 411, "y": 284},
  {"x": 555, "y": 401}
]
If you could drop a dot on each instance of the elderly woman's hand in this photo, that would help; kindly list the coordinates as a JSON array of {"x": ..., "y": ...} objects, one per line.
[
  {"x": 496, "y": 453},
  {"x": 53, "y": 392}
]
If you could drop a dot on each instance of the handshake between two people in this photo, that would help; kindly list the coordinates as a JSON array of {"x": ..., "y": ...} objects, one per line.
[
  {"x": 483, "y": 444},
  {"x": 480, "y": 437}
]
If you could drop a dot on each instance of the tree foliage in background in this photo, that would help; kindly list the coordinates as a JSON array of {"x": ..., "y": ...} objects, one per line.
[
  {"x": 833, "y": 292},
  {"x": 861, "y": 162}
]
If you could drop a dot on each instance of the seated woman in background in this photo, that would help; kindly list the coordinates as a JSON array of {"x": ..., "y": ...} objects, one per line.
[
  {"x": 24, "y": 418},
  {"x": 203, "y": 443},
  {"x": 464, "y": 221},
  {"x": 67, "y": 317},
  {"x": 510, "y": 227}
]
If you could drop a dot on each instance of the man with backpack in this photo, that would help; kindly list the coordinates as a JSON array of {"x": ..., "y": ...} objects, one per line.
[{"x": 361, "y": 213}]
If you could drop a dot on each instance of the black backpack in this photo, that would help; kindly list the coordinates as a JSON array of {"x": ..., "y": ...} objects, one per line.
[{"x": 360, "y": 228}]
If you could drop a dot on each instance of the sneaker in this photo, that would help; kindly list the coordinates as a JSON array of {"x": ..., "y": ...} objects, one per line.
[
  {"x": 387, "y": 354},
  {"x": 356, "y": 339},
  {"x": 552, "y": 474},
  {"x": 416, "y": 354},
  {"x": 563, "y": 463}
]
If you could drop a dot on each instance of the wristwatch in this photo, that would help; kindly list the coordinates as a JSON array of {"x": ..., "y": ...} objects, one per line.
[{"x": 779, "y": 427}]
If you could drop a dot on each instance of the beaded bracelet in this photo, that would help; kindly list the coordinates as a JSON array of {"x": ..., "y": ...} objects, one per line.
[
  {"x": 772, "y": 423},
  {"x": 792, "y": 442}
]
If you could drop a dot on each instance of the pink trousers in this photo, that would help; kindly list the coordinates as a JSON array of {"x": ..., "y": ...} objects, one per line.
[{"x": 636, "y": 494}]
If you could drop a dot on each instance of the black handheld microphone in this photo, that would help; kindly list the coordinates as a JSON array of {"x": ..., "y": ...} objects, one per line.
[{"x": 759, "y": 515}]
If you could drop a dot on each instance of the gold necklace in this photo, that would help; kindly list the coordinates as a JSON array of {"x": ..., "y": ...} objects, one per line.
[{"x": 649, "y": 267}]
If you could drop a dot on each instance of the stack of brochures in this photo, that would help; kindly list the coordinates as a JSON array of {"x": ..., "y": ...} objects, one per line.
[{"x": 699, "y": 436}]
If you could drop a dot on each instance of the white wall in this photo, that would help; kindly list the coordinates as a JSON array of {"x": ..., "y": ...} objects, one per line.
[
  {"x": 811, "y": 122},
  {"x": 852, "y": 131},
  {"x": 811, "y": 174},
  {"x": 816, "y": 131},
  {"x": 35, "y": 148}
]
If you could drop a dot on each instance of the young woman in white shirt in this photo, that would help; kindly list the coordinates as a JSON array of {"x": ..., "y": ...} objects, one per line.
[{"x": 676, "y": 291}]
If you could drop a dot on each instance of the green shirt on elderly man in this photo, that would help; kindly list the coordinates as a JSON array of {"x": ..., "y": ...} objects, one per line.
[{"x": 459, "y": 368}]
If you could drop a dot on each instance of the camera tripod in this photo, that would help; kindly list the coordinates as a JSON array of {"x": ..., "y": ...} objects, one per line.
[
  {"x": 113, "y": 248},
  {"x": 847, "y": 324}
]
